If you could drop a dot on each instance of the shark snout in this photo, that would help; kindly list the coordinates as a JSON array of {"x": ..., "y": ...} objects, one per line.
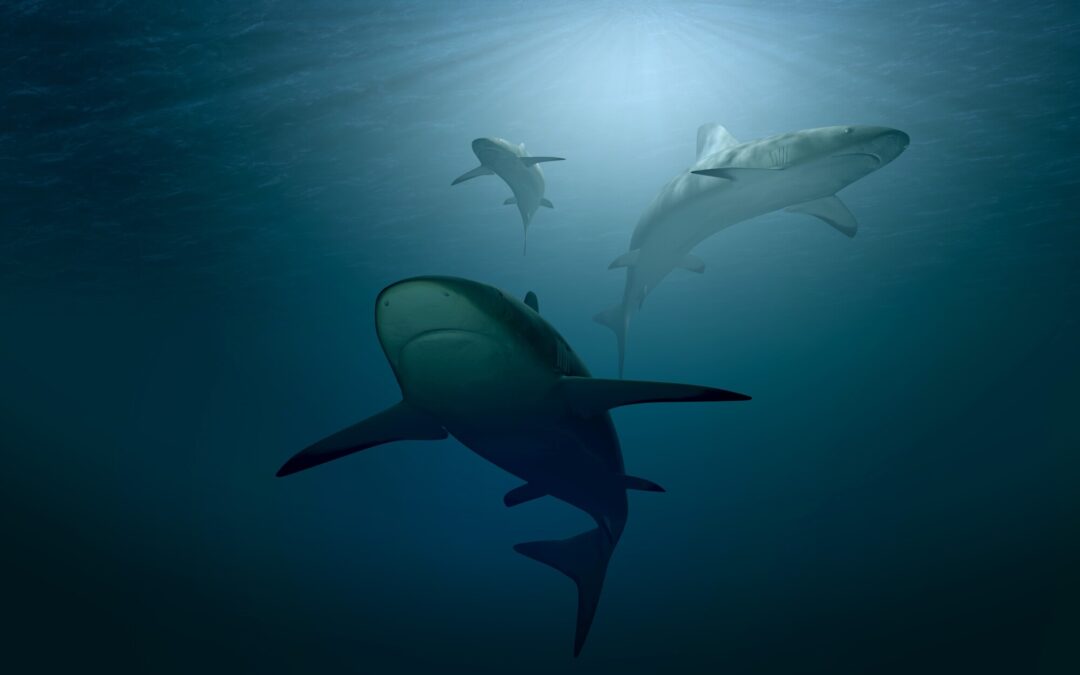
[
  {"x": 485, "y": 149},
  {"x": 425, "y": 306},
  {"x": 887, "y": 144}
]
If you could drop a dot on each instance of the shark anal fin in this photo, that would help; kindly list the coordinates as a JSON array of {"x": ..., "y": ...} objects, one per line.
[
  {"x": 589, "y": 396},
  {"x": 545, "y": 202},
  {"x": 735, "y": 172},
  {"x": 693, "y": 263},
  {"x": 529, "y": 161},
  {"x": 584, "y": 559},
  {"x": 635, "y": 483},
  {"x": 523, "y": 493},
  {"x": 628, "y": 259},
  {"x": 400, "y": 422},
  {"x": 509, "y": 201},
  {"x": 469, "y": 175},
  {"x": 831, "y": 210},
  {"x": 532, "y": 301}
]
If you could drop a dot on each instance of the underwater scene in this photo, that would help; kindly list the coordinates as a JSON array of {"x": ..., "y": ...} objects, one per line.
[{"x": 540, "y": 337}]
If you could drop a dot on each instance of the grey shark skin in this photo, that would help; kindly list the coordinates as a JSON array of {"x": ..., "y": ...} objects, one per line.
[
  {"x": 731, "y": 182},
  {"x": 474, "y": 363},
  {"x": 518, "y": 169}
]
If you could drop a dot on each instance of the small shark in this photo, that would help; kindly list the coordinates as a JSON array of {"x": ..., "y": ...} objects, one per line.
[
  {"x": 731, "y": 182},
  {"x": 482, "y": 366},
  {"x": 520, "y": 171}
]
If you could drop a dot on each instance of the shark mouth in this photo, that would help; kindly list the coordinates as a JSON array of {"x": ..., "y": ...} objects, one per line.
[{"x": 876, "y": 158}]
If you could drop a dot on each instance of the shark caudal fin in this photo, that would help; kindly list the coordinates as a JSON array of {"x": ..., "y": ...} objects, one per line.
[
  {"x": 584, "y": 559},
  {"x": 618, "y": 320}
]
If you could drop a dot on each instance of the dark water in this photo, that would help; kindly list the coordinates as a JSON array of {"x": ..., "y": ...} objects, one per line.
[{"x": 199, "y": 205}]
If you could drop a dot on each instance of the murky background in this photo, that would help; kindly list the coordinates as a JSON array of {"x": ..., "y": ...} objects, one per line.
[{"x": 199, "y": 202}]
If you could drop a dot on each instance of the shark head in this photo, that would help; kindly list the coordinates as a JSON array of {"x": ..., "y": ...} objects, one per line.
[
  {"x": 423, "y": 306},
  {"x": 445, "y": 338},
  {"x": 488, "y": 150},
  {"x": 882, "y": 144}
]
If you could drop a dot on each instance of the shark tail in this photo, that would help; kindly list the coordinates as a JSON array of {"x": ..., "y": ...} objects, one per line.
[
  {"x": 584, "y": 559},
  {"x": 618, "y": 320}
]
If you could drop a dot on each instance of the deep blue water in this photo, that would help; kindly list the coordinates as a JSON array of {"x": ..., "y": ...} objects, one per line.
[{"x": 199, "y": 204}]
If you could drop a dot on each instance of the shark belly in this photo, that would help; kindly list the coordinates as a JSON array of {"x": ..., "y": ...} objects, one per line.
[{"x": 497, "y": 398}]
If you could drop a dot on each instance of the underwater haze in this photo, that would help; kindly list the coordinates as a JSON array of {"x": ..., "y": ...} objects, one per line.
[{"x": 200, "y": 201}]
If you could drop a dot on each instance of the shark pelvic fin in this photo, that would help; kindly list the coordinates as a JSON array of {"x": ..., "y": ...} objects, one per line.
[
  {"x": 635, "y": 483},
  {"x": 400, "y": 422},
  {"x": 628, "y": 259},
  {"x": 693, "y": 263},
  {"x": 532, "y": 301},
  {"x": 529, "y": 161},
  {"x": 545, "y": 202},
  {"x": 523, "y": 493},
  {"x": 832, "y": 211},
  {"x": 584, "y": 559},
  {"x": 509, "y": 201},
  {"x": 469, "y": 175},
  {"x": 590, "y": 396}
]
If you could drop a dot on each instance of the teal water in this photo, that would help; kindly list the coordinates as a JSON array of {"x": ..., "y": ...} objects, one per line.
[{"x": 200, "y": 204}]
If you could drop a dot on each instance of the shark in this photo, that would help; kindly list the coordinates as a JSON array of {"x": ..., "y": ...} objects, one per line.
[
  {"x": 731, "y": 182},
  {"x": 520, "y": 171},
  {"x": 475, "y": 363}
]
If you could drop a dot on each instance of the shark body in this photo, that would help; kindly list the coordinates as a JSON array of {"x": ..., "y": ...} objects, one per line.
[
  {"x": 520, "y": 171},
  {"x": 731, "y": 182},
  {"x": 474, "y": 363}
]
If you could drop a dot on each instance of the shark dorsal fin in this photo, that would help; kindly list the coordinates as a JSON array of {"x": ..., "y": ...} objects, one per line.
[
  {"x": 712, "y": 138},
  {"x": 531, "y": 301}
]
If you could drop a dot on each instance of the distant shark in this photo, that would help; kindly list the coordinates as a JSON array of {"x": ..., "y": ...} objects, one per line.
[
  {"x": 520, "y": 171},
  {"x": 732, "y": 182},
  {"x": 473, "y": 362}
]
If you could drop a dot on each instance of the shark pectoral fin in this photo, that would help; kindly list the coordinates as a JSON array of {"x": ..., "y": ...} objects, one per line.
[
  {"x": 509, "y": 201},
  {"x": 400, "y": 422},
  {"x": 523, "y": 493},
  {"x": 714, "y": 173},
  {"x": 590, "y": 396},
  {"x": 635, "y": 483},
  {"x": 628, "y": 259},
  {"x": 584, "y": 559},
  {"x": 529, "y": 161},
  {"x": 545, "y": 202},
  {"x": 469, "y": 175},
  {"x": 736, "y": 173},
  {"x": 693, "y": 263},
  {"x": 532, "y": 301},
  {"x": 832, "y": 211}
]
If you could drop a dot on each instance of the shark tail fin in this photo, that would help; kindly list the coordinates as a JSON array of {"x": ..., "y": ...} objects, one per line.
[
  {"x": 584, "y": 559},
  {"x": 618, "y": 320}
]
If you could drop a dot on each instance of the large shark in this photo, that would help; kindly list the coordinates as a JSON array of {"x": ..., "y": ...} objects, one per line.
[
  {"x": 731, "y": 182},
  {"x": 473, "y": 362},
  {"x": 520, "y": 171}
]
